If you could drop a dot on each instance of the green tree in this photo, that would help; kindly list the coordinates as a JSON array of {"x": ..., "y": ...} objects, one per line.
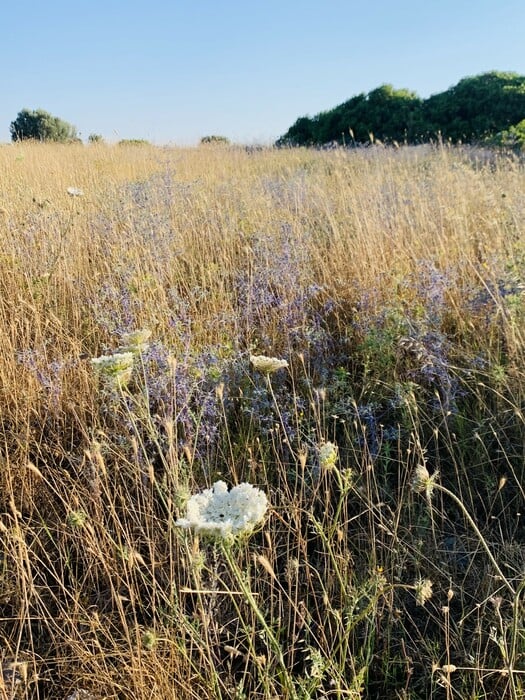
[
  {"x": 134, "y": 142},
  {"x": 476, "y": 107},
  {"x": 214, "y": 139},
  {"x": 346, "y": 118},
  {"x": 41, "y": 126},
  {"x": 390, "y": 114},
  {"x": 299, "y": 134},
  {"x": 393, "y": 115}
]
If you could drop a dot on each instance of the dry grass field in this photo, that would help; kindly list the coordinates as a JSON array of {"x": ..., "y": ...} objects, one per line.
[{"x": 390, "y": 562}]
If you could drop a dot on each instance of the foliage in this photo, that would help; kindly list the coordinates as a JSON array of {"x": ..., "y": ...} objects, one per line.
[
  {"x": 39, "y": 125},
  {"x": 512, "y": 138},
  {"x": 95, "y": 138},
  {"x": 469, "y": 111},
  {"x": 477, "y": 106},
  {"x": 133, "y": 142},
  {"x": 215, "y": 140}
]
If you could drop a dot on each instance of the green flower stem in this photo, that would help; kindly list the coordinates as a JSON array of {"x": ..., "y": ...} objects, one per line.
[
  {"x": 513, "y": 653},
  {"x": 482, "y": 541},
  {"x": 274, "y": 643}
]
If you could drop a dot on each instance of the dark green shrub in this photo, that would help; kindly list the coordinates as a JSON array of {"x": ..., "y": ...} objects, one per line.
[
  {"x": 39, "y": 125},
  {"x": 217, "y": 140},
  {"x": 133, "y": 142},
  {"x": 476, "y": 107},
  {"x": 471, "y": 111}
]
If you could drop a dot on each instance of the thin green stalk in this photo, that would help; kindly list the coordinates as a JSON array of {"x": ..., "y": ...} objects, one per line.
[
  {"x": 481, "y": 539},
  {"x": 274, "y": 643}
]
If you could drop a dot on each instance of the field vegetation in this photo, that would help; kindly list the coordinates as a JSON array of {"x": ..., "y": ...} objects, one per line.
[
  {"x": 391, "y": 448},
  {"x": 485, "y": 108}
]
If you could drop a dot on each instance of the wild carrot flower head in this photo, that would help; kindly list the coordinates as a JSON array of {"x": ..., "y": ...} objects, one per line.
[
  {"x": 422, "y": 482},
  {"x": 224, "y": 514},
  {"x": 328, "y": 455},
  {"x": 267, "y": 365},
  {"x": 149, "y": 640},
  {"x": 423, "y": 588},
  {"x": 135, "y": 342},
  {"x": 115, "y": 369},
  {"x": 75, "y": 192}
]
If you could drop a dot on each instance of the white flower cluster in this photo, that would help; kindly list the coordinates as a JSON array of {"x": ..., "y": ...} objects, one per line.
[
  {"x": 220, "y": 513},
  {"x": 328, "y": 455},
  {"x": 135, "y": 341},
  {"x": 267, "y": 365},
  {"x": 422, "y": 482},
  {"x": 75, "y": 192},
  {"x": 115, "y": 369},
  {"x": 423, "y": 588}
]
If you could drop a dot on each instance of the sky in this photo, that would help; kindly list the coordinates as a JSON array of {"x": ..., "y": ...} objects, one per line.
[{"x": 173, "y": 71}]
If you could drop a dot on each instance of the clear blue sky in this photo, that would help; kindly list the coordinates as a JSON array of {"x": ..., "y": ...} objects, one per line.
[{"x": 172, "y": 71}]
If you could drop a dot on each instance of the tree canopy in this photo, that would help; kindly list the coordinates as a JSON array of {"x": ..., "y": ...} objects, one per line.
[
  {"x": 475, "y": 109},
  {"x": 41, "y": 126},
  {"x": 215, "y": 140}
]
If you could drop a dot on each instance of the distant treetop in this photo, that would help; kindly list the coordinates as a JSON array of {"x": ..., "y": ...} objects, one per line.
[
  {"x": 134, "y": 142},
  {"x": 475, "y": 109},
  {"x": 215, "y": 140},
  {"x": 39, "y": 125}
]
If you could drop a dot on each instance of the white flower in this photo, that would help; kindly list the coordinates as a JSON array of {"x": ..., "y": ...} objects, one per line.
[
  {"x": 116, "y": 369},
  {"x": 75, "y": 192},
  {"x": 422, "y": 482},
  {"x": 423, "y": 588},
  {"x": 135, "y": 342},
  {"x": 328, "y": 455},
  {"x": 113, "y": 363},
  {"x": 267, "y": 364},
  {"x": 217, "y": 512}
]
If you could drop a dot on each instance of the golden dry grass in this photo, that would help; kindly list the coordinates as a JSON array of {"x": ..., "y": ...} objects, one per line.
[{"x": 329, "y": 259}]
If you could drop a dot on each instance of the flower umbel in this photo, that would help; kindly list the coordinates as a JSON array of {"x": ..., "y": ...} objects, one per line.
[
  {"x": 149, "y": 640},
  {"x": 220, "y": 513},
  {"x": 135, "y": 342},
  {"x": 115, "y": 369},
  {"x": 422, "y": 482},
  {"x": 267, "y": 365},
  {"x": 328, "y": 455},
  {"x": 423, "y": 588}
]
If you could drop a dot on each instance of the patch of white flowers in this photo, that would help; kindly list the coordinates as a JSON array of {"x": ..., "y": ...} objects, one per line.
[
  {"x": 115, "y": 369},
  {"x": 267, "y": 365},
  {"x": 224, "y": 514}
]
